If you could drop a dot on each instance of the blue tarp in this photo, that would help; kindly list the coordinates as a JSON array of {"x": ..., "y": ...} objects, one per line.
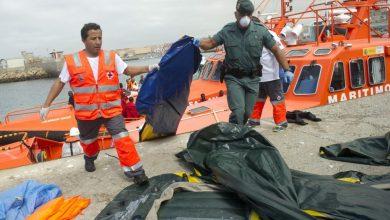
[
  {"x": 163, "y": 97},
  {"x": 22, "y": 200}
]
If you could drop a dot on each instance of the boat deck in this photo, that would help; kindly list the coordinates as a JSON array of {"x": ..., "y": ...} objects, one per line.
[{"x": 298, "y": 145}]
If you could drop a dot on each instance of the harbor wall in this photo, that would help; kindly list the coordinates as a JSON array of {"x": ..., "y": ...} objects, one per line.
[{"x": 42, "y": 71}]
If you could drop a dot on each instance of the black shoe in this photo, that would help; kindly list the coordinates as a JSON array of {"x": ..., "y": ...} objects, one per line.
[
  {"x": 89, "y": 163},
  {"x": 280, "y": 127},
  {"x": 252, "y": 124},
  {"x": 310, "y": 116},
  {"x": 295, "y": 117},
  {"x": 139, "y": 177},
  {"x": 297, "y": 120}
]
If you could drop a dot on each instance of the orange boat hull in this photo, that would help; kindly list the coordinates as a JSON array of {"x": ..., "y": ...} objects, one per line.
[
  {"x": 30, "y": 151},
  {"x": 36, "y": 149}
]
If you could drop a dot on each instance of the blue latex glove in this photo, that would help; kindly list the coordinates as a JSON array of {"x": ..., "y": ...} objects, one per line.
[
  {"x": 196, "y": 42},
  {"x": 288, "y": 76}
]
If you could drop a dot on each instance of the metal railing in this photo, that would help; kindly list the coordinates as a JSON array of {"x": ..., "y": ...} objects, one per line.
[
  {"x": 314, "y": 9},
  {"x": 10, "y": 116}
]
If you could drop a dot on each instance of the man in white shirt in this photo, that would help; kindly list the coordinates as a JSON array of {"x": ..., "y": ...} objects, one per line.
[
  {"x": 270, "y": 85},
  {"x": 93, "y": 75}
]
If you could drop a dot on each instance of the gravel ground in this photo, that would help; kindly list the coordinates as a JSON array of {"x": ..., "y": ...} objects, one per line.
[{"x": 298, "y": 145}]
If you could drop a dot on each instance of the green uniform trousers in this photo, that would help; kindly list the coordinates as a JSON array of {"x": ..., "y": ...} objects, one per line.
[{"x": 241, "y": 96}]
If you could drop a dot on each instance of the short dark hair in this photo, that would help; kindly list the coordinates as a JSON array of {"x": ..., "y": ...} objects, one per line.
[
  {"x": 88, "y": 27},
  {"x": 131, "y": 99},
  {"x": 120, "y": 85}
]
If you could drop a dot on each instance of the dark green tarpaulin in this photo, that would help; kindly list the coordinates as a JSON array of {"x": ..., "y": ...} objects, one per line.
[
  {"x": 135, "y": 202},
  {"x": 370, "y": 150},
  {"x": 247, "y": 163},
  {"x": 248, "y": 173}
]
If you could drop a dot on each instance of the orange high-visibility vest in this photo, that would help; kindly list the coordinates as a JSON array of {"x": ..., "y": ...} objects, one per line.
[{"x": 94, "y": 99}]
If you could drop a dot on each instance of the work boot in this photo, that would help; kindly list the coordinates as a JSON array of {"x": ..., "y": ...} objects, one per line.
[
  {"x": 139, "y": 177},
  {"x": 89, "y": 163},
  {"x": 280, "y": 127},
  {"x": 252, "y": 124}
]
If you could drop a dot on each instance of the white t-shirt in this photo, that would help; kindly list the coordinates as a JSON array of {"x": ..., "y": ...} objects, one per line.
[
  {"x": 269, "y": 62},
  {"x": 94, "y": 63}
]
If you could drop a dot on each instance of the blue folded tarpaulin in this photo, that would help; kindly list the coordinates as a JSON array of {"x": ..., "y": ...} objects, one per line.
[
  {"x": 175, "y": 74},
  {"x": 163, "y": 97},
  {"x": 22, "y": 200}
]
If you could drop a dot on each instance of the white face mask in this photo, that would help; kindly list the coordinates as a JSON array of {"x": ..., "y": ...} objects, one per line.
[{"x": 245, "y": 21}]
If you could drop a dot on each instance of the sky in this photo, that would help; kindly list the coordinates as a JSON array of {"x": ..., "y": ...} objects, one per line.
[{"x": 41, "y": 26}]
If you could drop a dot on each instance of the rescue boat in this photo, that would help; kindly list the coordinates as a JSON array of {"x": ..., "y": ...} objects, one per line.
[{"x": 343, "y": 57}]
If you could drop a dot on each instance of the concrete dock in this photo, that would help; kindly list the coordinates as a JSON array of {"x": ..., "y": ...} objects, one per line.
[{"x": 299, "y": 145}]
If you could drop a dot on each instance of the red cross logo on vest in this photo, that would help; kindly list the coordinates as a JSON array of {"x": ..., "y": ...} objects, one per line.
[{"x": 110, "y": 75}]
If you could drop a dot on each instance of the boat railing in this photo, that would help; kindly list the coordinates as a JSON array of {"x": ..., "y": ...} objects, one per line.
[
  {"x": 20, "y": 113},
  {"x": 22, "y": 137},
  {"x": 314, "y": 10}
]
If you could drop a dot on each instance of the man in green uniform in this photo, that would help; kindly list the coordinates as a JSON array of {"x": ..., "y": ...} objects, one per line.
[{"x": 243, "y": 41}]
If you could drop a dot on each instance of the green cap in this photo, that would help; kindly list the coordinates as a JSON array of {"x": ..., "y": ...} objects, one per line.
[{"x": 245, "y": 7}]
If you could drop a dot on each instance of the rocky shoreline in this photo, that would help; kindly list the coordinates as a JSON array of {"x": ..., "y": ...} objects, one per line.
[{"x": 23, "y": 75}]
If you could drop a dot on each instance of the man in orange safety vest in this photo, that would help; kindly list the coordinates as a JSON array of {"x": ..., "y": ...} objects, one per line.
[{"x": 93, "y": 75}]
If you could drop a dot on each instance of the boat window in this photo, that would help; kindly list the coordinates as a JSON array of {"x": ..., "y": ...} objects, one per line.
[
  {"x": 287, "y": 85},
  {"x": 376, "y": 70},
  {"x": 308, "y": 80},
  {"x": 297, "y": 53},
  {"x": 356, "y": 69},
  {"x": 217, "y": 73},
  {"x": 322, "y": 51},
  {"x": 338, "y": 78},
  {"x": 206, "y": 70}
]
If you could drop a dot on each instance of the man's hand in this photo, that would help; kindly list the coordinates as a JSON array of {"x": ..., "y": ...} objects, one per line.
[
  {"x": 288, "y": 76},
  {"x": 153, "y": 67},
  {"x": 205, "y": 44},
  {"x": 43, "y": 113}
]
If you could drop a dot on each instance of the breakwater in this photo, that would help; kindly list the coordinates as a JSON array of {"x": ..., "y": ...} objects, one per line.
[
  {"x": 42, "y": 71},
  {"x": 22, "y": 75}
]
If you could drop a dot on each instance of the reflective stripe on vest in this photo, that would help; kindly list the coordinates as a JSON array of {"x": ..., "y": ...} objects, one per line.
[
  {"x": 112, "y": 88},
  {"x": 91, "y": 107},
  {"x": 83, "y": 90},
  {"x": 107, "y": 59},
  {"x": 77, "y": 60},
  {"x": 92, "y": 89},
  {"x": 109, "y": 105}
]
